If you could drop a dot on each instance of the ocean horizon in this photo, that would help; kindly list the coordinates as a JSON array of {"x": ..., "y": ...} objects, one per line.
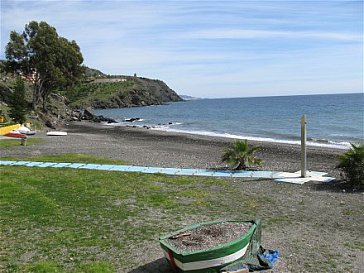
[{"x": 333, "y": 120}]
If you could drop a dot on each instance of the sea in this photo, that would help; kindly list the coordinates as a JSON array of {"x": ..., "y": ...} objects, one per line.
[{"x": 333, "y": 121}]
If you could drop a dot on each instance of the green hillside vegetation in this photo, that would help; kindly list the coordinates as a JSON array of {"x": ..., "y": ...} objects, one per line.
[
  {"x": 98, "y": 91},
  {"x": 86, "y": 93},
  {"x": 120, "y": 91}
]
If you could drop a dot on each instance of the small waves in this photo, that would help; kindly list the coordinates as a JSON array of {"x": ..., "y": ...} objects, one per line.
[
  {"x": 314, "y": 142},
  {"x": 324, "y": 144},
  {"x": 334, "y": 121}
]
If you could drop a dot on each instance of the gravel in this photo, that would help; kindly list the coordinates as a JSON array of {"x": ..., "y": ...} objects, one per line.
[
  {"x": 140, "y": 146},
  {"x": 208, "y": 236}
]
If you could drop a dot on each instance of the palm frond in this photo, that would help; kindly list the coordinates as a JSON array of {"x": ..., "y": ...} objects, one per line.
[
  {"x": 239, "y": 155},
  {"x": 352, "y": 165}
]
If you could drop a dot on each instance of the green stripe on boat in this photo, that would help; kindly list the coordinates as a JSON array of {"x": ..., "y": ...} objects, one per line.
[
  {"x": 212, "y": 259},
  {"x": 205, "y": 264}
]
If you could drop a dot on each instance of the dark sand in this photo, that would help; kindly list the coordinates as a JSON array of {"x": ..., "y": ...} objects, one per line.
[
  {"x": 140, "y": 146},
  {"x": 315, "y": 226}
]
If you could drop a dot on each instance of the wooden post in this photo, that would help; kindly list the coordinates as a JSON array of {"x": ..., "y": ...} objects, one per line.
[
  {"x": 23, "y": 141},
  {"x": 303, "y": 147}
]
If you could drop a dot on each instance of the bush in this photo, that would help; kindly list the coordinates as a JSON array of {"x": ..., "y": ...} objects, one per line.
[
  {"x": 18, "y": 103},
  {"x": 240, "y": 156},
  {"x": 352, "y": 165}
]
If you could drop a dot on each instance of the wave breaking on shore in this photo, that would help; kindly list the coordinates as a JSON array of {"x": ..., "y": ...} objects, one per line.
[{"x": 169, "y": 128}]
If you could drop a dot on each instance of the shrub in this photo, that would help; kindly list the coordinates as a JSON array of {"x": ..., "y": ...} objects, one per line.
[
  {"x": 18, "y": 103},
  {"x": 240, "y": 156},
  {"x": 352, "y": 165}
]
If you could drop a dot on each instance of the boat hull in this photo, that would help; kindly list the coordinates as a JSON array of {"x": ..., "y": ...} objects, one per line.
[
  {"x": 7, "y": 129},
  {"x": 210, "y": 260},
  {"x": 56, "y": 133},
  {"x": 15, "y": 135}
]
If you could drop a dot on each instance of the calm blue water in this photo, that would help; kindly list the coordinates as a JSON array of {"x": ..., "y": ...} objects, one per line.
[{"x": 333, "y": 120}]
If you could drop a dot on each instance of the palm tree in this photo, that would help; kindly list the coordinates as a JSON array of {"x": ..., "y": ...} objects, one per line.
[
  {"x": 240, "y": 156},
  {"x": 352, "y": 164}
]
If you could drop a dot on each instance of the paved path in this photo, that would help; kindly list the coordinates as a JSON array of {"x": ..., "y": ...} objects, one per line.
[{"x": 277, "y": 176}]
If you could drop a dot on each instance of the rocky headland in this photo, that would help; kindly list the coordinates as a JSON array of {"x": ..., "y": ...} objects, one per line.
[{"x": 98, "y": 91}]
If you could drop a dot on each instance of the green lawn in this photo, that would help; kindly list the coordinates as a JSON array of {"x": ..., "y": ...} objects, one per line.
[
  {"x": 77, "y": 220},
  {"x": 68, "y": 220},
  {"x": 70, "y": 158},
  {"x": 9, "y": 143}
]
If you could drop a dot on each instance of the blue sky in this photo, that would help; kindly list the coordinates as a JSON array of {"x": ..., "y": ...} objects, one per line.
[{"x": 212, "y": 48}]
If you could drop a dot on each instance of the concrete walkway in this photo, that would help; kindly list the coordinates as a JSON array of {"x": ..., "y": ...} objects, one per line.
[{"x": 285, "y": 177}]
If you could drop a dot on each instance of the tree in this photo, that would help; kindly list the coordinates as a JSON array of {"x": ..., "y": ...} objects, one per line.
[
  {"x": 51, "y": 62},
  {"x": 17, "y": 103},
  {"x": 352, "y": 164},
  {"x": 240, "y": 156}
]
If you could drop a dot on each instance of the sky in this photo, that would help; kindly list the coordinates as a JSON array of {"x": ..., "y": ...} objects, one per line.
[{"x": 211, "y": 49}]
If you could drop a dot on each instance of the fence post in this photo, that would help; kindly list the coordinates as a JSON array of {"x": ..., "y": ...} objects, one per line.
[
  {"x": 23, "y": 141},
  {"x": 303, "y": 146}
]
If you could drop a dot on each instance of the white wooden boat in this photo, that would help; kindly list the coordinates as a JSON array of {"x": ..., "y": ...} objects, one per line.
[
  {"x": 207, "y": 260},
  {"x": 56, "y": 133}
]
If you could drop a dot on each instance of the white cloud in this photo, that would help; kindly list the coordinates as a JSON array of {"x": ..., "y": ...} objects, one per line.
[{"x": 267, "y": 34}]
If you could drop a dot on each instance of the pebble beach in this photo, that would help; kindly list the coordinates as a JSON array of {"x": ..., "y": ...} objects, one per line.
[{"x": 140, "y": 146}]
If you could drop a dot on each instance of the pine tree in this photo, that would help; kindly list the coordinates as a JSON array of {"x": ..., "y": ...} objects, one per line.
[
  {"x": 18, "y": 103},
  {"x": 53, "y": 62}
]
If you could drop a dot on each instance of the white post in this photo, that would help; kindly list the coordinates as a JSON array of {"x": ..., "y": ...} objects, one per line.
[{"x": 303, "y": 147}]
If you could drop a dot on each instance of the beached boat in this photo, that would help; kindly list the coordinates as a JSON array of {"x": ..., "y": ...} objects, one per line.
[
  {"x": 15, "y": 134},
  {"x": 7, "y": 129},
  {"x": 56, "y": 133},
  {"x": 209, "y": 260},
  {"x": 26, "y": 130}
]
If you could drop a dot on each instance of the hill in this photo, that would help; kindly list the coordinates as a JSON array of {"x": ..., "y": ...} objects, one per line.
[
  {"x": 120, "y": 91},
  {"x": 91, "y": 72},
  {"x": 98, "y": 90}
]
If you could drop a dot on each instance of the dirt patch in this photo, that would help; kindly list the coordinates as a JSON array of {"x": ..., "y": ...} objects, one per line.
[{"x": 208, "y": 236}]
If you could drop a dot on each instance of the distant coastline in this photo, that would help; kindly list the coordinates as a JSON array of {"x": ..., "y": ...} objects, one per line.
[{"x": 187, "y": 97}]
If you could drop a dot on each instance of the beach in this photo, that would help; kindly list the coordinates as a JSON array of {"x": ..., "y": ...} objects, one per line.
[
  {"x": 309, "y": 224},
  {"x": 146, "y": 147}
]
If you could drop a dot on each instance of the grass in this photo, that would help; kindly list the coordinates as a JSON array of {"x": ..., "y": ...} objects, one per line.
[
  {"x": 70, "y": 158},
  {"x": 356, "y": 245},
  {"x": 68, "y": 220},
  {"x": 9, "y": 143},
  {"x": 76, "y": 220},
  {"x": 280, "y": 219},
  {"x": 359, "y": 246},
  {"x": 51, "y": 267}
]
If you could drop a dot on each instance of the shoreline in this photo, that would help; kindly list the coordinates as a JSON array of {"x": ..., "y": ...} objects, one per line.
[
  {"x": 276, "y": 126},
  {"x": 342, "y": 146}
]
